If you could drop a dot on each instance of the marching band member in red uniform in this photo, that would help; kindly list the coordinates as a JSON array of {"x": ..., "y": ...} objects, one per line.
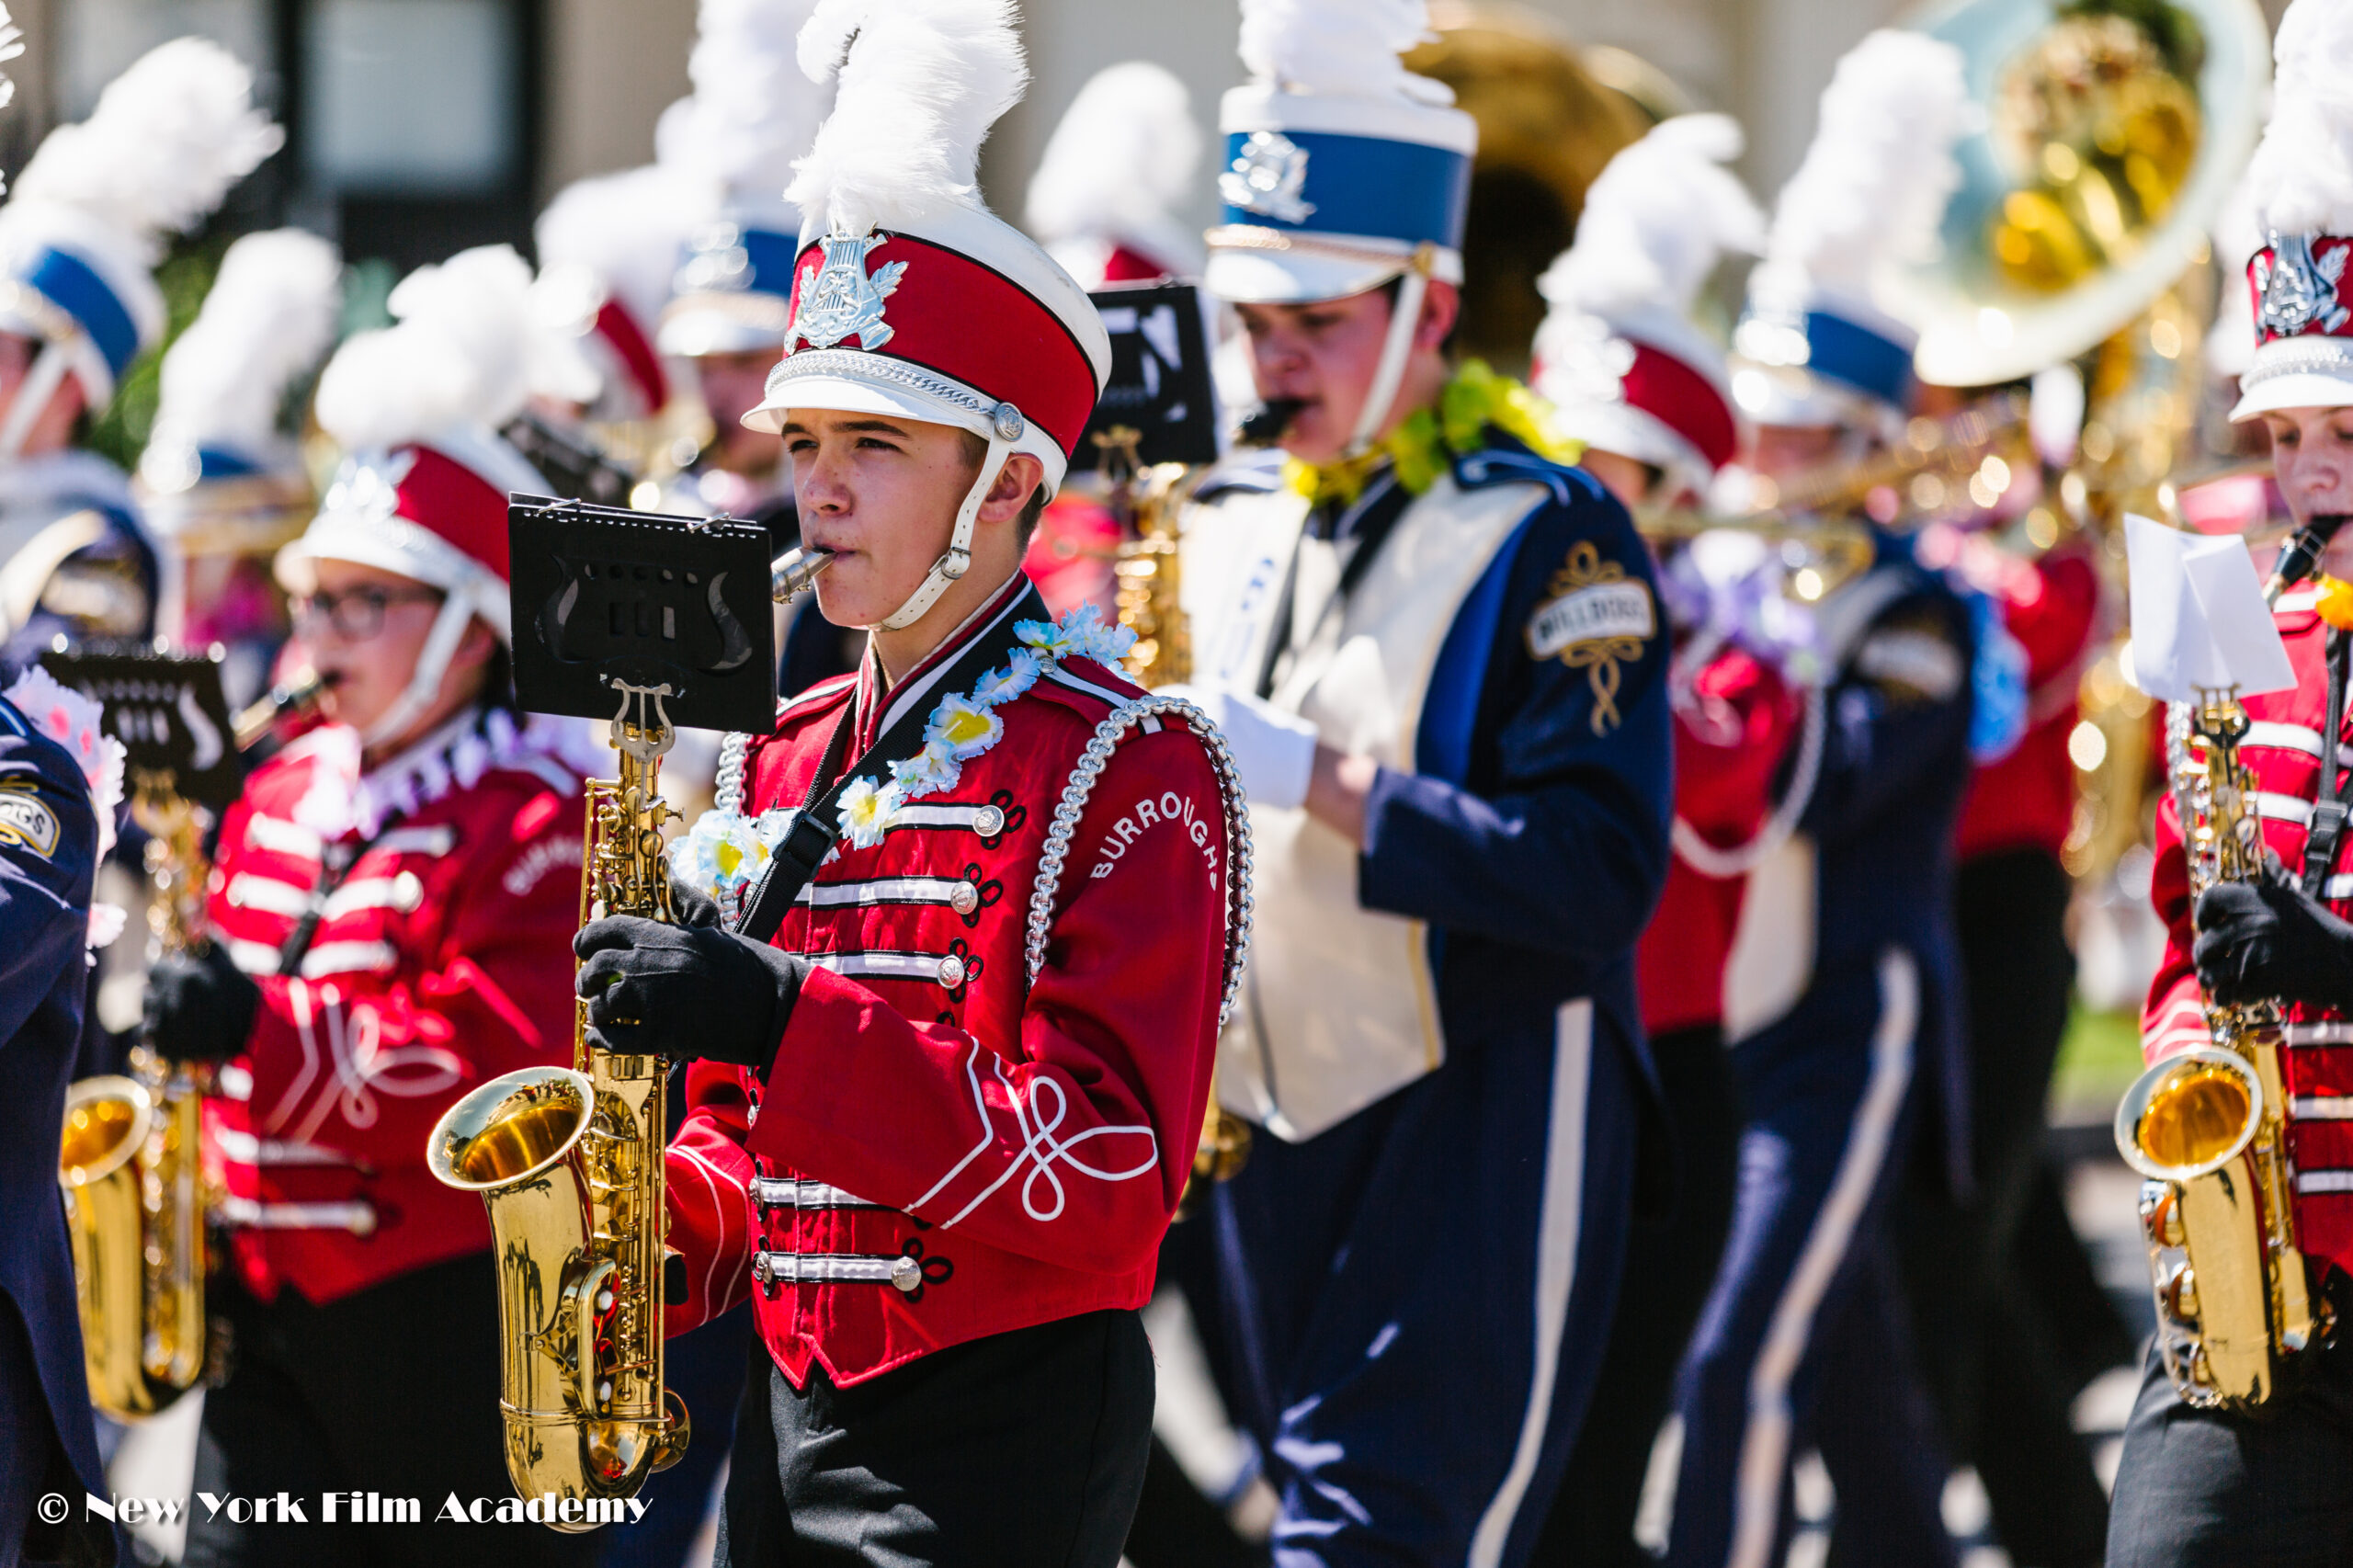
[
  {"x": 393, "y": 896},
  {"x": 1647, "y": 393},
  {"x": 949, "y": 1092},
  {"x": 2203, "y": 1487}
]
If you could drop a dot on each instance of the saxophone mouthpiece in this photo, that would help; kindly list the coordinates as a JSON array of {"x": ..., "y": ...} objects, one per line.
[
  {"x": 1265, "y": 424},
  {"x": 297, "y": 698},
  {"x": 2303, "y": 554},
  {"x": 796, "y": 571}
]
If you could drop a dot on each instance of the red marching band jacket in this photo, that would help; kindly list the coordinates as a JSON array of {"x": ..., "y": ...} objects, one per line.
[
  {"x": 1733, "y": 727},
  {"x": 2027, "y": 799},
  {"x": 2283, "y": 750},
  {"x": 441, "y": 958},
  {"x": 1010, "y": 1150}
]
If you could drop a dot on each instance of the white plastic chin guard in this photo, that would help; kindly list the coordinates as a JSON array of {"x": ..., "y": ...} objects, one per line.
[{"x": 1006, "y": 427}]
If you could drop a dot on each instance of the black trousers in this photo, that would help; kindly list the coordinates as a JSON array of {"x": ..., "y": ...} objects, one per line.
[
  {"x": 1670, "y": 1263},
  {"x": 2203, "y": 1489},
  {"x": 1021, "y": 1450},
  {"x": 1993, "y": 1360},
  {"x": 392, "y": 1390}
]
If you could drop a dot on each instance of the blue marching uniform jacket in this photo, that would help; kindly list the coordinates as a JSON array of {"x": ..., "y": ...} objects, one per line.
[
  {"x": 48, "y": 851},
  {"x": 1406, "y": 1290},
  {"x": 1802, "y": 1340}
]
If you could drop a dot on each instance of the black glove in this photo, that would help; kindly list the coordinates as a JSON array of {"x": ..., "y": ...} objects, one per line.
[
  {"x": 200, "y": 1007},
  {"x": 2258, "y": 940},
  {"x": 692, "y": 990}
]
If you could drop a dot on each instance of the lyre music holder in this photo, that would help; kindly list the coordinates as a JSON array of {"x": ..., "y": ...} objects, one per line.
[
  {"x": 167, "y": 709},
  {"x": 614, "y": 607}
]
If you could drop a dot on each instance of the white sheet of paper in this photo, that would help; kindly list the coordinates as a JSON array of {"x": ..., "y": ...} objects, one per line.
[{"x": 2198, "y": 619}]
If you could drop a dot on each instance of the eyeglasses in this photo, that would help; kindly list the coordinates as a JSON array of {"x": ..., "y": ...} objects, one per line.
[{"x": 358, "y": 614}]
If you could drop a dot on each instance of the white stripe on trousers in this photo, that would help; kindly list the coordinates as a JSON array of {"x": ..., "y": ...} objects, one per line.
[
  {"x": 1765, "y": 1447},
  {"x": 1557, "y": 1224}
]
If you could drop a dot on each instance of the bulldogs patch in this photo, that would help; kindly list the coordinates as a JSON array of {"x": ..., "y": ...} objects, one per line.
[
  {"x": 1597, "y": 619},
  {"x": 26, "y": 819}
]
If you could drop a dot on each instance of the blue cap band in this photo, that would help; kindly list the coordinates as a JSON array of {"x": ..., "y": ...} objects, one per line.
[
  {"x": 68, "y": 283},
  {"x": 1847, "y": 351},
  {"x": 1367, "y": 187},
  {"x": 218, "y": 463},
  {"x": 771, "y": 257}
]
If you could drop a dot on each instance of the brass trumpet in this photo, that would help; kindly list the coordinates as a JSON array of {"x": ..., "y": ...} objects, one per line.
[{"x": 568, "y": 1161}]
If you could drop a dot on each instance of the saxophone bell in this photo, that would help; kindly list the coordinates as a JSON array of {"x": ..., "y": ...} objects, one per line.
[{"x": 108, "y": 1120}]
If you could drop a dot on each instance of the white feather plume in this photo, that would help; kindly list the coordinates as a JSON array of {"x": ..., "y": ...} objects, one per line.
[
  {"x": 1349, "y": 48},
  {"x": 751, "y": 113},
  {"x": 918, "y": 85},
  {"x": 1873, "y": 185},
  {"x": 1120, "y": 165},
  {"x": 2300, "y": 178},
  {"x": 12, "y": 45},
  {"x": 167, "y": 139},
  {"x": 1656, "y": 220},
  {"x": 625, "y": 230},
  {"x": 460, "y": 354},
  {"x": 270, "y": 313}
]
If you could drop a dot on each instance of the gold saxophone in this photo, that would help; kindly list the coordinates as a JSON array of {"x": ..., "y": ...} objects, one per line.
[
  {"x": 1149, "y": 573},
  {"x": 131, "y": 1164},
  {"x": 568, "y": 1161},
  {"x": 2208, "y": 1128},
  {"x": 131, "y": 1161}
]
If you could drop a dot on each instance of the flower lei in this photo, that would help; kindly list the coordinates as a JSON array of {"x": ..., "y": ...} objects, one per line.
[
  {"x": 723, "y": 853},
  {"x": 1426, "y": 441}
]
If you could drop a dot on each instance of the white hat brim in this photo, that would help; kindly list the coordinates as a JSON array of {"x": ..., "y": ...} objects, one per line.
[
  {"x": 2296, "y": 388},
  {"x": 1294, "y": 278},
  {"x": 854, "y": 395}
]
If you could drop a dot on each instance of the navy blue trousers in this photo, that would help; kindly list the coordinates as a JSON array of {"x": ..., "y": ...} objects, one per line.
[
  {"x": 1412, "y": 1305},
  {"x": 1807, "y": 1298}
]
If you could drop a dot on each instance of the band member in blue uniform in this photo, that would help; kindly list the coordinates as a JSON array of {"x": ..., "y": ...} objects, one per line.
[
  {"x": 1438, "y": 657},
  {"x": 83, "y": 224},
  {"x": 49, "y": 850},
  {"x": 1802, "y": 1342}
]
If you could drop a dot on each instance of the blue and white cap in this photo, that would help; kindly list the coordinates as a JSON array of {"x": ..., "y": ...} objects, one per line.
[
  {"x": 89, "y": 214},
  {"x": 732, "y": 294},
  {"x": 1816, "y": 345},
  {"x": 734, "y": 139},
  {"x": 1342, "y": 168}
]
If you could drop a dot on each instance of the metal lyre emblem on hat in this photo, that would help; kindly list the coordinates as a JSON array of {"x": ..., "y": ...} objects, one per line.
[
  {"x": 2299, "y": 288},
  {"x": 1268, "y": 176},
  {"x": 369, "y": 486},
  {"x": 844, "y": 300}
]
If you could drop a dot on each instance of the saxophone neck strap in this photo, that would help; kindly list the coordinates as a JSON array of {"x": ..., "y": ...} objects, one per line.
[
  {"x": 817, "y": 824},
  {"x": 2333, "y": 801}
]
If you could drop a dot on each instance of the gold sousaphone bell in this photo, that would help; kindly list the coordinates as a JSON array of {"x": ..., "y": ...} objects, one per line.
[{"x": 2110, "y": 133}]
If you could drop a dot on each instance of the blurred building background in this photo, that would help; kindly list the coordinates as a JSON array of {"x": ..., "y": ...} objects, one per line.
[{"x": 420, "y": 126}]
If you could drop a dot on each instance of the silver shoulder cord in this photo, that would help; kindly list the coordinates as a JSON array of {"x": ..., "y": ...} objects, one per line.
[
  {"x": 1091, "y": 763},
  {"x": 728, "y": 787},
  {"x": 1738, "y": 861}
]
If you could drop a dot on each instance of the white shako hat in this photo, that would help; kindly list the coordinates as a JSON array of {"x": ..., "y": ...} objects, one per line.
[
  {"x": 910, "y": 298},
  {"x": 609, "y": 248},
  {"x": 88, "y": 217},
  {"x": 1816, "y": 345},
  {"x": 2300, "y": 184},
  {"x": 733, "y": 141},
  {"x": 1344, "y": 170},
  {"x": 424, "y": 486},
  {"x": 1617, "y": 354},
  {"x": 218, "y": 473},
  {"x": 1121, "y": 161}
]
